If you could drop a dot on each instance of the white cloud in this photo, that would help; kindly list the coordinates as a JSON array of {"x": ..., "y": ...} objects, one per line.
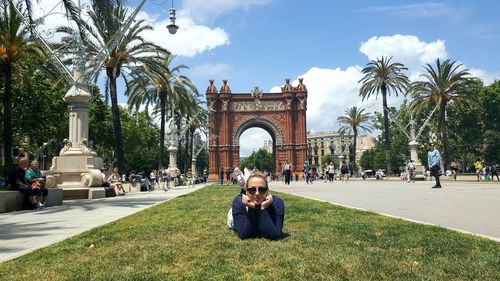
[
  {"x": 191, "y": 39},
  {"x": 406, "y": 49},
  {"x": 208, "y": 10},
  {"x": 330, "y": 92},
  {"x": 487, "y": 78}
]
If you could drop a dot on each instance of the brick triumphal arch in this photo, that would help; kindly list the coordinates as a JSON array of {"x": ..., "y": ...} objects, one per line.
[{"x": 282, "y": 115}]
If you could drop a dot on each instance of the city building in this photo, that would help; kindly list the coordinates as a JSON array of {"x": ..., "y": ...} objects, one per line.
[
  {"x": 268, "y": 145},
  {"x": 321, "y": 144}
]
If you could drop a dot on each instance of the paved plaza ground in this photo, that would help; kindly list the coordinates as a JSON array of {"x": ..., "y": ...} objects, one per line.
[
  {"x": 467, "y": 205},
  {"x": 25, "y": 231}
]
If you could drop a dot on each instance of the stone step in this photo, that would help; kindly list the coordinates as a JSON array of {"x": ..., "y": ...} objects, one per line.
[{"x": 75, "y": 193}]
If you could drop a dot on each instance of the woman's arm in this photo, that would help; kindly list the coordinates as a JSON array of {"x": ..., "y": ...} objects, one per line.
[
  {"x": 271, "y": 219},
  {"x": 245, "y": 222}
]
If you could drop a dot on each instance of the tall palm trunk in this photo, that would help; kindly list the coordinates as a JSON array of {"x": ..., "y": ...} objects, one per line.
[
  {"x": 443, "y": 126},
  {"x": 186, "y": 153},
  {"x": 162, "y": 128},
  {"x": 191, "y": 148},
  {"x": 117, "y": 125},
  {"x": 7, "y": 119},
  {"x": 178, "y": 124},
  {"x": 354, "y": 166},
  {"x": 387, "y": 139}
]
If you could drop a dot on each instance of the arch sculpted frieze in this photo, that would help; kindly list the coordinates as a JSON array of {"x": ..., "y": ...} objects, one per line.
[{"x": 246, "y": 106}]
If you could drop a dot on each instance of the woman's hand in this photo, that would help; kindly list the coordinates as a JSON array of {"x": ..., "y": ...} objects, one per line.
[
  {"x": 267, "y": 202},
  {"x": 249, "y": 202}
]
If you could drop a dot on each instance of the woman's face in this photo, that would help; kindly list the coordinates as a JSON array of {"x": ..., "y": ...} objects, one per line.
[{"x": 257, "y": 189}]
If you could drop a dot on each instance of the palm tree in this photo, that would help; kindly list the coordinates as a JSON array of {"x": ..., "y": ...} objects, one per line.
[
  {"x": 446, "y": 82},
  {"x": 354, "y": 121},
  {"x": 15, "y": 49},
  {"x": 162, "y": 87},
  {"x": 382, "y": 76},
  {"x": 131, "y": 52}
]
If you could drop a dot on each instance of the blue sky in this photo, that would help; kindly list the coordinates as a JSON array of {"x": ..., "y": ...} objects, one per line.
[{"x": 262, "y": 42}]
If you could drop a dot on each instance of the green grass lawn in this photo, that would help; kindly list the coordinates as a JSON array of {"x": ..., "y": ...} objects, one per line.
[{"x": 187, "y": 239}]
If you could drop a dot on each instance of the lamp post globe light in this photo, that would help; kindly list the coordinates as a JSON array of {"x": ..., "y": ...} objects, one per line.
[{"x": 172, "y": 28}]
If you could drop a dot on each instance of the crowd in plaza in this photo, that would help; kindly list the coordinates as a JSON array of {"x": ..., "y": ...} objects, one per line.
[{"x": 163, "y": 178}]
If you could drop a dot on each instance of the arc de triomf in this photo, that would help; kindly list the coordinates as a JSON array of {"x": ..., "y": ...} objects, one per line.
[{"x": 282, "y": 115}]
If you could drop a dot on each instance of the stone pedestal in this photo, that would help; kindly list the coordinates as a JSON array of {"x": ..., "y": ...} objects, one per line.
[
  {"x": 193, "y": 167},
  {"x": 172, "y": 151},
  {"x": 419, "y": 168},
  {"x": 77, "y": 166}
]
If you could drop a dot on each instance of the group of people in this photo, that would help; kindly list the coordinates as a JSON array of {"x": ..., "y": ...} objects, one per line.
[
  {"x": 28, "y": 179},
  {"x": 113, "y": 182},
  {"x": 486, "y": 170}
]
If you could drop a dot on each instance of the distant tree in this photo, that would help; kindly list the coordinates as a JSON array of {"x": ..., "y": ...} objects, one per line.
[
  {"x": 16, "y": 49},
  {"x": 354, "y": 121},
  {"x": 325, "y": 160},
  {"x": 447, "y": 82},
  {"x": 261, "y": 159},
  {"x": 373, "y": 159},
  {"x": 489, "y": 108},
  {"x": 161, "y": 87},
  {"x": 382, "y": 76}
]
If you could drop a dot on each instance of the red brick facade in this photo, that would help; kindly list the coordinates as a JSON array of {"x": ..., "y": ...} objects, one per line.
[{"x": 282, "y": 115}]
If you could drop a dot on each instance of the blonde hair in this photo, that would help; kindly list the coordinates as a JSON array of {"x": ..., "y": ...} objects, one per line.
[{"x": 256, "y": 175}]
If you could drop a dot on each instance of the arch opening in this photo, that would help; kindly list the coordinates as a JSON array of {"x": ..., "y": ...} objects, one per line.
[{"x": 257, "y": 149}]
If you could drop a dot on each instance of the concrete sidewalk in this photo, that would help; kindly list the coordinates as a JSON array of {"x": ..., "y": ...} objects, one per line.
[
  {"x": 470, "y": 207},
  {"x": 25, "y": 231}
]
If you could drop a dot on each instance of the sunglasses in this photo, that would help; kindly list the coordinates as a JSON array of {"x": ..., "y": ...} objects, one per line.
[{"x": 253, "y": 190}]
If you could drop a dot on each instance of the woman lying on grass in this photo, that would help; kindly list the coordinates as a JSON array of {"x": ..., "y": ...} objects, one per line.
[{"x": 256, "y": 213}]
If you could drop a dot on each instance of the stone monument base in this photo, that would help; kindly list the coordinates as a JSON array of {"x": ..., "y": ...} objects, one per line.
[{"x": 75, "y": 174}]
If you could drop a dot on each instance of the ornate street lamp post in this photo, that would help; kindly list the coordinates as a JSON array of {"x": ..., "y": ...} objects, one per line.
[{"x": 77, "y": 165}]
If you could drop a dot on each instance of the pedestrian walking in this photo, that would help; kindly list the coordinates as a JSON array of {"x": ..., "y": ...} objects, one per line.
[
  {"x": 221, "y": 175},
  {"x": 494, "y": 171},
  {"x": 288, "y": 172},
  {"x": 410, "y": 170},
  {"x": 344, "y": 171},
  {"x": 307, "y": 172},
  {"x": 330, "y": 171},
  {"x": 454, "y": 169},
  {"x": 478, "y": 165},
  {"x": 434, "y": 160}
]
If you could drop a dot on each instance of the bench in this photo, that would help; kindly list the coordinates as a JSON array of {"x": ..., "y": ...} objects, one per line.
[{"x": 13, "y": 200}]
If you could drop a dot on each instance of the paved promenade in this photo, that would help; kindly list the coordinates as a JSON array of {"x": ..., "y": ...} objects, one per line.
[
  {"x": 25, "y": 231},
  {"x": 471, "y": 207}
]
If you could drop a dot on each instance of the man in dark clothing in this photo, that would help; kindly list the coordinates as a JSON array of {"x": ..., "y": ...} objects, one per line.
[
  {"x": 288, "y": 172},
  {"x": 256, "y": 213},
  {"x": 434, "y": 160},
  {"x": 18, "y": 182},
  {"x": 221, "y": 175}
]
